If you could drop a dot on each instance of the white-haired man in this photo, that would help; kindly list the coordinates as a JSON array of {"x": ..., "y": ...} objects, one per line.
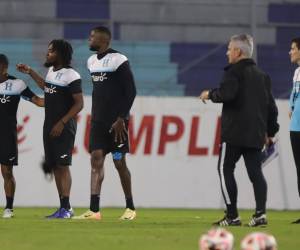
[{"x": 249, "y": 120}]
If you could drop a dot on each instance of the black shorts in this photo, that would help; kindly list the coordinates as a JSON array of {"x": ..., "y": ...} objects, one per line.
[
  {"x": 101, "y": 138},
  {"x": 8, "y": 145},
  {"x": 58, "y": 150}
]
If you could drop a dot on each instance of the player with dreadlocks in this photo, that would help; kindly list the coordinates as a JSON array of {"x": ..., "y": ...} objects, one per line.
[{"x": 63, "y": 101}]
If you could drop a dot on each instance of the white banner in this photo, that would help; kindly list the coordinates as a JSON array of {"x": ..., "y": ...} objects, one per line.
[{"x": 174, "y": 143}]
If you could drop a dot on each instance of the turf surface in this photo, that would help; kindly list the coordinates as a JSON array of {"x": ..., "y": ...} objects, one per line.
[{"x": 160, "y": 229}]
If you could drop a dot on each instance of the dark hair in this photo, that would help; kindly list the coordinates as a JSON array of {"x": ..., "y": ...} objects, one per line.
[
  {"x": 64, "y": 50},
  {"x": 3, "y": 60},
  {"x": 296, "y": 41},
  {"x": 104, "y": 30}
]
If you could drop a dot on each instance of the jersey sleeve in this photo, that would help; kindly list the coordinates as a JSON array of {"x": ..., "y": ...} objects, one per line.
[
  {"x": 295, "y": 89},
  {"x": 121, "y": 61},
  {"x": 27, "y": 94},
  {"x": 75, "y": 87},
  {"x": 127, "y": 80},
  {"x": 291, "y": 101},
  {"x": 90, "y": 61}
]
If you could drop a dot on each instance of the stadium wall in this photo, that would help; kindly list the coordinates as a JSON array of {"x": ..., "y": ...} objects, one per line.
[{"x": 173, "y": 162}]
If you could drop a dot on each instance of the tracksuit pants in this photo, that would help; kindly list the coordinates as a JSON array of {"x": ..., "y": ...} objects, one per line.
[
  {"x": 229, "y": 155},
  {"x": 295, "y": 141}
]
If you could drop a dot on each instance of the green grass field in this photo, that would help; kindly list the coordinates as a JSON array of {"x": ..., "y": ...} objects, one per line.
[{"x": 161, "y": 229}]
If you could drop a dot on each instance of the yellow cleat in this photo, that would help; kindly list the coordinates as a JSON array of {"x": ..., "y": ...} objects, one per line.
[
  {"x": 128, "y": 214},
  {"x": 88, "y": 215}
]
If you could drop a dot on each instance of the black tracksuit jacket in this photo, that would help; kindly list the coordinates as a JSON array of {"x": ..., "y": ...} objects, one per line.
[{"x": 249, "y": 111}]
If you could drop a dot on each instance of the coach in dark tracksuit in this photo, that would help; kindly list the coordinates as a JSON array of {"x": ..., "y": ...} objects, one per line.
[{"x": 249, "y": 120}]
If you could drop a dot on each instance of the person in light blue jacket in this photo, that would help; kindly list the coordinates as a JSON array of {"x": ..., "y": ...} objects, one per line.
[{"x": 295, "y": 109}]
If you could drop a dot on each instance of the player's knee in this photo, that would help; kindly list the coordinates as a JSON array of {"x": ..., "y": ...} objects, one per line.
[
  {"x": 255, "y": 177},
  {"x": 7, "y": 174},
  {"x": 97, "y": 160}
]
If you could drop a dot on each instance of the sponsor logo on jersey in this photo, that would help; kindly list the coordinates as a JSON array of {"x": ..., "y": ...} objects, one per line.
[
  {"x": 50, "y": 90},
  {"x": 99, "y": 78},
  {"x": 5, "y": 99}
]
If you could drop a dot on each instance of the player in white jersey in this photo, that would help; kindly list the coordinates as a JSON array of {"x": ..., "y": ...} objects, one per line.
[
  {"x": 63, "y": 101},
  {"x": 113, "y": 95},
  {"x": 11, "y": 89}
]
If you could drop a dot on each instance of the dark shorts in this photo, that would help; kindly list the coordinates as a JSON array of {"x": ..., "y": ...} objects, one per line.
[
  {"x": 58, "y": 150},
  {"x": 101, "y": 138},
  {"x": 8, "y": 146}
]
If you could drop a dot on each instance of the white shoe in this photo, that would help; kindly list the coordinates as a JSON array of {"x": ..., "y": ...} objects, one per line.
[
  {"x": 8, "y": 213},
  {"x": 128, "y": 214},
  {"x": 88, "y": 215}
]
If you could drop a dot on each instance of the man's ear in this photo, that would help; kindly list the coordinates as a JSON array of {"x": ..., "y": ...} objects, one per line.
[{"x": 240, "y": 53}]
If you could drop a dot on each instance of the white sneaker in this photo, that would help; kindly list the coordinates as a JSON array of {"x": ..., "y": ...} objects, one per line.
[
  {"x": 128, "y": 214},
  {"x": 8, "y": 213}
]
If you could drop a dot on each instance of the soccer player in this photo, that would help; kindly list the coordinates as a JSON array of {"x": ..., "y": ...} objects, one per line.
[
  {"x": 249, "y": 120},
  {"x": 259, "y": 241},
  {"x": 216, "y": 239},
  {"x": 63, "y": 101},
  {"x": 11, "y": 89},
  {"x": 113, "y": 94},
  {"x": 295, "y": 109}
]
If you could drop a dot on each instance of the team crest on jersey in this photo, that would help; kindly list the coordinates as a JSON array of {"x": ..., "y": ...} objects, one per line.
[
  {"x": 58, "y": 76},
  {"x": 105, "y": 62},
  {"x": 50, "y": 90},
  {"x": 5, "y": 99},
  {"x": 8, "y": 86}
]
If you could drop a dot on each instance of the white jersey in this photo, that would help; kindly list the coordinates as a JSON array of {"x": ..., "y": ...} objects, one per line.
[
  {"x": 10, "y": 92},
  {"x": 59, "y": 87}
]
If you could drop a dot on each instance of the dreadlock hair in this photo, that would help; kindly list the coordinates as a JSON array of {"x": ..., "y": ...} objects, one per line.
[
  {"x": 64, "y": 50},
  {"x": 3, "y": 60}
]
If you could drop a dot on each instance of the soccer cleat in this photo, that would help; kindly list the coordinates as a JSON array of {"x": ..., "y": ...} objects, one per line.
[
  {"x": 296, "y": 221},
  {"x": 54, "y": 215},
  {"x": 128, "y": 214},
  {"x": 227, "y": 221},
  {"x": 65, "y": 213},
  {"x": 88, "y": 215},
  {"x": 71, "y": 210},
  {"x": 258, "y": 220},
  {"x": 61, "y": 213},
  {"x": 8, "y": 213}
]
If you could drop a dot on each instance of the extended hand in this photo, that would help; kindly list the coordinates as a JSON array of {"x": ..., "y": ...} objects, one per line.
[
  {"x": 24, "y": 68},
  {"x": 119, "y": 129},
  {"x": 57, "y": 129},
  {"x": 204, "y": 95}
]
